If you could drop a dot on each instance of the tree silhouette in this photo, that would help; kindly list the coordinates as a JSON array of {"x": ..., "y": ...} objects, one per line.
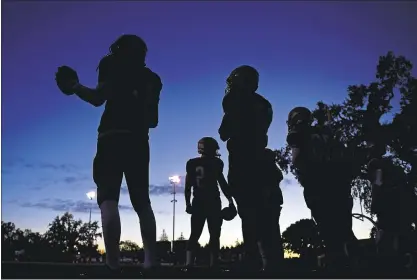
[
  {"x": 164, "y": 236},
  {"x": 64, "y": 238},
  {"x": 129, "y": 249},
  {"x": 63, "y": 235},
  {"x": 363, "y": 125},
  {"x": 372, "y": 233},
  {"x": 129, "y": 246},
  {"x": 181, "y": 237},
  {"x": 33, "y": 244},
  {"x": 302, "y": 238},
  {"x": 88, "y": 234},
  {"x": 7, "y": 244}
]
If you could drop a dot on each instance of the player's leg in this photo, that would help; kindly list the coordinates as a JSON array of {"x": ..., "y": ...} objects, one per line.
[
  {"x": 332, "y": 223},
  {"x": 137, "y": 178},
  {"x": 388, "y": 239},
  {"x": 248, "y": 217},
  {"x": 241, "y": 184},
  {"x": 108, "y": 175},
  {"x": 322, "y": 210},
  {"x": 270, "y": 239},
  {"x": 214, "y": 223},
  {"x": 198, "y": 219}
]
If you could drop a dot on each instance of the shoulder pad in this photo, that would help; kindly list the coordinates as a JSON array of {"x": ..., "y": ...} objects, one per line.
[
  {"x": 153, "y": 78},
  {"x": 220, "y": 161},
  {"x": 190, "y": 162},
  {"x": 105, "y": 62}
]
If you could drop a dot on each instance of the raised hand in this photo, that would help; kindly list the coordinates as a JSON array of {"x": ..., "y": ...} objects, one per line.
[{"x": 66, "y": 79}]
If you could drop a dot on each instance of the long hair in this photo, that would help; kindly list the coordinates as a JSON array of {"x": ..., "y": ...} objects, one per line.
[{"x": 128, "y": 42}]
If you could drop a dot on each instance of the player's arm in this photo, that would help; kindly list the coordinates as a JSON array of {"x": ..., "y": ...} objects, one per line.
[
  {"x": 224, "y": 186},
  {"x": 188, "y": 186},
  {"x": 225, "y": 130},
  {"x": 153, "y": 95},
  {"x": 96, "y": 96},
  {"x": 278, "y": 176},
  {"x": 269, "y": 114}
]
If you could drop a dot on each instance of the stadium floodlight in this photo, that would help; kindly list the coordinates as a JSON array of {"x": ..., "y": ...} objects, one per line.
[
  {"x": 174, "y": 180},
  {"x": 91, "y": 195}
]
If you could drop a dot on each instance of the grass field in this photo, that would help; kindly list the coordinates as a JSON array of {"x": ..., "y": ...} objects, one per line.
[{"x": 14, "y": 270}]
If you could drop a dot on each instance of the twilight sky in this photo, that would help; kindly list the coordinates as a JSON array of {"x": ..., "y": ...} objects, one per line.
[{"x": 304, "y": 51}]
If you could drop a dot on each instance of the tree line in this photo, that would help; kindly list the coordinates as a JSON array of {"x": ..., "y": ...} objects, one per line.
[
  {"x": 66, "y": 237},
  {"x": 64, "y": 240}
]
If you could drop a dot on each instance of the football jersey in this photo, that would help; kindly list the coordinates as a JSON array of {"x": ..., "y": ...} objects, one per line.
[
  {"x": 324, "y": 166},
  {"x": 246, "y": 120},
  {"x": 131, "y": 93},
  {"x": 204, "y": 172}
]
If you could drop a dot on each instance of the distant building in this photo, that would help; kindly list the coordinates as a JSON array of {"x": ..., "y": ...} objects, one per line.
[
  {"x": 180, "y": 248},
  {"x": 163, "y": 249}
]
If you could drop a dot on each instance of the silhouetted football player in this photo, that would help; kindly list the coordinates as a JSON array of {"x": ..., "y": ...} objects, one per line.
[
  {"x": 324, "y": 170},
  {"x": 245, "y": 124},
  {"x": 130, "y": 92},
  {"x": 204, "y": 173},
  {"x": 392, "y": 203}
]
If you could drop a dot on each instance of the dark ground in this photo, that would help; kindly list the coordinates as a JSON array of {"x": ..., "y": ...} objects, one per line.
[{"x": 78, "y": 271}]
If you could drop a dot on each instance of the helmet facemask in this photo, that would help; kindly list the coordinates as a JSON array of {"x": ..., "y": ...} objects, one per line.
[
  {"x": 299, "y": 125},
  {"x": 208, "y": 146}
]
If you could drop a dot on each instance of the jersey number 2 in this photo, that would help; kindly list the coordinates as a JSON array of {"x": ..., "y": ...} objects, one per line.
[{"x": 199, "y": 171}]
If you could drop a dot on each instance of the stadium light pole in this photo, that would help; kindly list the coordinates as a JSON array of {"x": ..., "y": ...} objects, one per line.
[
  {"x": 174, "y": 180},
  {"x": 91, "y": 195}
]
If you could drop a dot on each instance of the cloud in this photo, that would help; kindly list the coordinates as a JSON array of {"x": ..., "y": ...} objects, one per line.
[
  {"x": 22, "y": 163},
  {"x": 75, "y": 179},
  {"x": 42, "y": 183},
  {"x": 163, "y": 189},
  {"x": 74, "y": 206},
  {"x": 158, "y": 190},
  {"x": 64, "y": 205},
  {"x": 41, "y": 175},
  {"x": 288, "y": 182}
]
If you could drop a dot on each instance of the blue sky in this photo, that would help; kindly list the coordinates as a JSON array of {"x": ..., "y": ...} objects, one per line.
[{"x": 304, "y": 51}]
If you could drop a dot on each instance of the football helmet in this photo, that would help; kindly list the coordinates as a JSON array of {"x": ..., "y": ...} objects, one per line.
[
  {"x": 299, "y": 114},
  {"x": 243, "y": 77},
  {"x": 129, "y": 45},
  {"x": 208, "y": 146},
  {"x": 229, "y": 212},
  {"x": 299, "y": 121}
]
